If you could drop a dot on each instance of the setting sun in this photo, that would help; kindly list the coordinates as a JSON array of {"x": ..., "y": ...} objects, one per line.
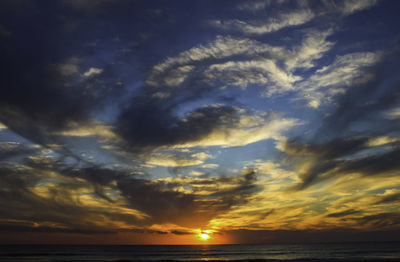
[{"x": 204, "y": 236}]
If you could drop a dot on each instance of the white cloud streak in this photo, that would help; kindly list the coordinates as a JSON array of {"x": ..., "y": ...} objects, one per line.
[
  {"x": 260, "y": 27},
  {"x": 352, "y": 6},
  {"x": 313, "y": 47},
  {"x": 232, "y": 61},
  {"x": 92, "y": 71},
  {"x": 174, "y": 70},
  {"x": 253, "y": 72},
  {"x": 330, "y": 80},
  {"x": 251, "y": 129}
]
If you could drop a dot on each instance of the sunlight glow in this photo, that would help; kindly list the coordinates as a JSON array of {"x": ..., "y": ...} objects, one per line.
[{"x": 204, "y": 236}]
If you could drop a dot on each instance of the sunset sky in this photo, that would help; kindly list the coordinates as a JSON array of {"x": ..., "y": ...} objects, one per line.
[{"x": 153, "y": 122}]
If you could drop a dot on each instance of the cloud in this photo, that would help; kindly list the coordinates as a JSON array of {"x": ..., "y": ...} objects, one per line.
[
  {"x": 284, "y": 20},
  {"x": 164, "y": 204},
  {"x": 345, "y": 143},
  {"x": 349, "y": 7},
  {"x": 161, "y": 205},
  {"x": 44, "y": 89},
  {"x": 336, "y": 202},
  {"x": 150, "y": 127},
  {"x": 242, "y": 62},
  {"x": 374, "y": 99},
  {"x": 61, "y": 203},
  {"x": 382, "y": 221},
  {"x": 46, "y": 102},
  {"x": 229, "y": 61},
  {"x": 9, "y": 150},
  {"x": 202, "y": 156},
  {"x": 2, "y": 127},
  {"x": 254, "y": 5},
  {"x": 172, "y": 160},
  {"x": 174, "y": 70},
  {"x": 161, "y": 95},
  {"x": 382, "y": 140},
  {"x": 91, "y": 129},
  {"x": 338, "y": 158},
  {"x": 297, "y": 14},
  {"x": 220, "y": 48},
  {"x": 25, "y": 112},
  {"x": 344, "y": 213},
  {"x": 239, "y": 194},
  {"x": 70, "y": 67},
  {"x": 25, "y": 204},
  {"x": 93, "y": 71},
  {"x": 64, "y": 199},
  {"x": 393, "y": 114},
  {"x": 245, "y": 73},
  {"x": 313, "y": 47},
  {"x": 345, "y": 71},
  {"x": 389, "y": 197},
  {"x": 244, "y": 135},
  {"x": 209, "y": 166},
  {"x": 383, "y": 164}
]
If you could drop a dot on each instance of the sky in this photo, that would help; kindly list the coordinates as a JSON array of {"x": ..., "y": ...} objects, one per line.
[{"x": 153, "y": 122}]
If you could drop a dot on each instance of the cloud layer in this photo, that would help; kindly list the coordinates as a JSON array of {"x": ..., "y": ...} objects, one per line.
[{"x": 262, "y": 120}]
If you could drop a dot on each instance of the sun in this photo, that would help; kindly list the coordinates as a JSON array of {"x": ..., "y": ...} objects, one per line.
[{"x": 204, "y": 236}]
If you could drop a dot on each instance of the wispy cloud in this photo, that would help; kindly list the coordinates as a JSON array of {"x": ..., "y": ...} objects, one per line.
[
  {"x": 70, "y": 67},
  {"x": 249, "y": 62},
  {"x": 91, "y": 129},
  {"x": 255, "y": 5},
  {"x": 345, "y": 71},
  {"x": 302, "y": 14},
  {"x": 93, "y": 71},
  {"x": 261, "y": 72},
  {"x": 172, "y": 160},
  {"x": 174, "y": 70},
  {"x": 260, "y": 27},
  {"x": 349, "y": 7},
  {"x": 313, "y": 47}
]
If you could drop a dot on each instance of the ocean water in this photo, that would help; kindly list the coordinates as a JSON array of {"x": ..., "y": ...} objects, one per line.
[{"x": 372, "y": 252}]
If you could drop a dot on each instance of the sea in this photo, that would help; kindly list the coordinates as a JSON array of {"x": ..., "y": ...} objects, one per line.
[{"x": 338, "y": 252}]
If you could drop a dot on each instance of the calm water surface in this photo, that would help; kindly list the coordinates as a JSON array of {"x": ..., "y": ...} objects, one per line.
[{"x": 372, "y": 252}]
